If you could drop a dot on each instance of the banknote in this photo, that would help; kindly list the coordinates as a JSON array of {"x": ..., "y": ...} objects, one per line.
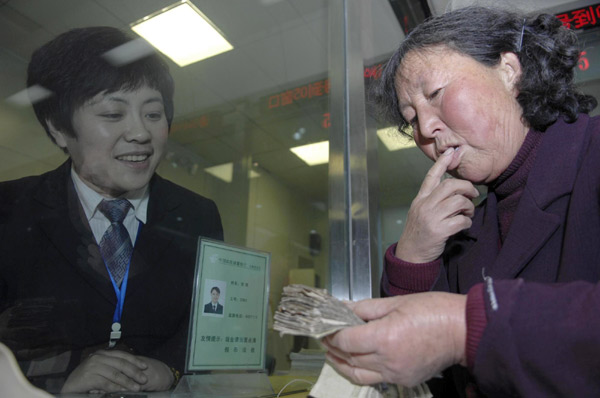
[
  {"x": 313, "y": 312},
  {"x": 310, "y": 311}
]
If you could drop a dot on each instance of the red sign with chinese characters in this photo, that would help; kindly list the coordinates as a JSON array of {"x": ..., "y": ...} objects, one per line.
[
  {"x": 198, "y": 122},
  {"x": 581, "y": 18},
  {"x": 315, "y": 89}
]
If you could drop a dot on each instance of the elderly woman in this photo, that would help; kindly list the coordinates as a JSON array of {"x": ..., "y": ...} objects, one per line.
[{"x": 489, "y": 97}]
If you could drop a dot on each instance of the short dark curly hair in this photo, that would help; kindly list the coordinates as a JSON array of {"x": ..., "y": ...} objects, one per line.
[
  {"x": 547, "y": 51},
  {"x": 73, "y": 68}
]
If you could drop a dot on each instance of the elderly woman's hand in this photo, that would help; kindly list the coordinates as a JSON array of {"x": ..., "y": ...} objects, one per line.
[
  {"x": 441, "y": 209},
  {"x": 408, "y": 340}
]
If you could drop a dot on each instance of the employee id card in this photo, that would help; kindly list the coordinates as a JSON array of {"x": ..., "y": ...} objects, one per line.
[{"x": 228, "y": 322}]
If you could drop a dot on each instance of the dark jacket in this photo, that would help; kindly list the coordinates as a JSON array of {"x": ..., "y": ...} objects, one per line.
[
  {"x": 53, "y": 281},
  {"x": 208, "y": 309},
  {"x": 544, "y": 339}
]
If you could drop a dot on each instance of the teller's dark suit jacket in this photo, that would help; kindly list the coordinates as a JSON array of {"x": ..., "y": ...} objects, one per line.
[
  {"x": 55, "y": 293},
  {"x": 208, "y": 308}
]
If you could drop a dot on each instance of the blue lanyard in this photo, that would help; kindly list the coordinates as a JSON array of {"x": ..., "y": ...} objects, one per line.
[
  {"x": 120, "y": 293},
  {"x": 115, "y": 334}
]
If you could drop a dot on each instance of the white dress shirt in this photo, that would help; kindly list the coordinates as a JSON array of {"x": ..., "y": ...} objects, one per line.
[{"x": 90, "y": 200}]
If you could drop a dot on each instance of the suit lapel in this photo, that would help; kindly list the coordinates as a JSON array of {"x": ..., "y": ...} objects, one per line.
[
  {"x": 58, "y": 202},
  {"x": 482, "y": 253},
  {"x": 530, "y": 230},
  {"x": 153, "y": 243},
  {"x": 67, "y": 230},
  {"x": 551, "y": 178},
  {"x": 540, "y": 213}
]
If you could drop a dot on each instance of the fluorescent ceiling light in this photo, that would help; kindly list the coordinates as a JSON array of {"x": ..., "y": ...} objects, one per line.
[
  {"x": 30, "y": 95},
  {"x": 253, "y": 174},
  {"x": 313, "y": 154},
  {"x": 394, "y": 140},
  {"x": 182, "y": 33},
  {"x": 223, "y": 171},
  {"x": 129, "y": 52}
]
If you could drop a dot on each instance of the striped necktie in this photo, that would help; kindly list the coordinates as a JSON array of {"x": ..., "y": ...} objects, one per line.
[{"x": 115, "y": 245}]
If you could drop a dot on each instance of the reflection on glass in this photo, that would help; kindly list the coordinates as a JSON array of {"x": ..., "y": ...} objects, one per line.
[
  {"x": 238, "y": 114},
  {"x": 174, "y": 30}
]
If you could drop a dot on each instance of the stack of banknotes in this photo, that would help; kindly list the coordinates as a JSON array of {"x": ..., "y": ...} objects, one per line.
[{"x": 309, "y": 311}]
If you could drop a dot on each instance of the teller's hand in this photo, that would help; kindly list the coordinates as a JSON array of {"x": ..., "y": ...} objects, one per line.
[
  {"x": 108, "y": 371},
  {"x": 159, "y": 375}
]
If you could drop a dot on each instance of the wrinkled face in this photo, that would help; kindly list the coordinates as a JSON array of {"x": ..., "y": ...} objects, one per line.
[
  {"x": 214, "y": 295},
  {"x": 120, "y": 139},
  {"x": 454, "y": 101}
]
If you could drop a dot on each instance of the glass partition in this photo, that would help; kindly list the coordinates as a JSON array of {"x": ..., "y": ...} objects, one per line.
[
  {"x": 299, "y": 74},
  {"x": 238, "y": 117}
]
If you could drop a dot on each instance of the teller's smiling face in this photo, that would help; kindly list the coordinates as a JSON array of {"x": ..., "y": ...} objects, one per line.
[
  {"x": 452, "y": 100},
  {"x": 120, "y": 138}
]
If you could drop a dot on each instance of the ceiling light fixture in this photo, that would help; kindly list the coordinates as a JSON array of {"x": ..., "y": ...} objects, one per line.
[
  {"x": 394, "y": 140},
  {"x": 313, "y": 154},
  {"x": 183, "y": 33},
  {"x": 30, "y": 95},
  {"x": 253, "y": 174},
  {"x": 223, "y": 172}
]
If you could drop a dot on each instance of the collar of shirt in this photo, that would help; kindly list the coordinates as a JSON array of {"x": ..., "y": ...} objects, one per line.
[{"x": 90, "y": 200}]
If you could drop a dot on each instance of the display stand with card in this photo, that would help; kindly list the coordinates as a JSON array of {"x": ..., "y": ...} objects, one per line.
[{"x": 226, "y": 354}]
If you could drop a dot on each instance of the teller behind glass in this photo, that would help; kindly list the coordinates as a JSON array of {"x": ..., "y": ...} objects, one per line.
[
  {"x": 508, "y": 290},
  {"x": 97, "y": 256}
]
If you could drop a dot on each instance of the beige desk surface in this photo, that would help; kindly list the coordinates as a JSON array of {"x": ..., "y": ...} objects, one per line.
[{"x": 277, "y": 382}]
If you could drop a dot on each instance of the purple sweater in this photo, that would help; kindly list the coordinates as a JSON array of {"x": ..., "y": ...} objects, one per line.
[
  {"x": 542, "y": 292},
  {"x": 401, "y": 277}
]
